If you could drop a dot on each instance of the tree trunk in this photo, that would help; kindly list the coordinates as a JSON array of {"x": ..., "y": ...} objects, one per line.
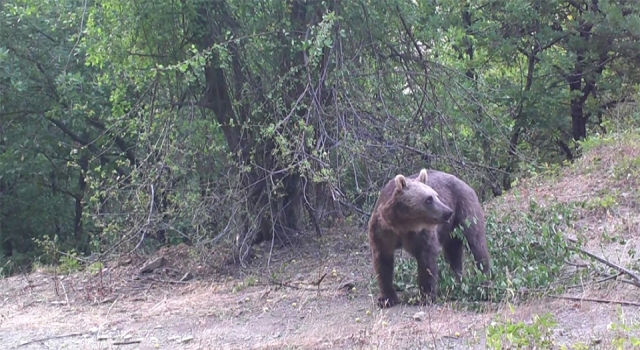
[
  {"x": 7, "y": 245},
  {"x": 518, "y": 127},
  {"x": 78, "y": 228},
  {"x": 513, "y": 146},
  {"x": 292, "y": 202},
  {"x": 578, "y": 120},
  {"x": 275, "y": 217}
]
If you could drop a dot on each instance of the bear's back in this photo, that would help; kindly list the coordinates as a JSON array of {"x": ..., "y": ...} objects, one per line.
[{"x": 453, "y": 192}]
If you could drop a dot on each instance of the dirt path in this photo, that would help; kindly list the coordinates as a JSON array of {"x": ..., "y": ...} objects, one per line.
[
  {"x": 218, "y": 314},
  {"x": 203, "y": 319}
]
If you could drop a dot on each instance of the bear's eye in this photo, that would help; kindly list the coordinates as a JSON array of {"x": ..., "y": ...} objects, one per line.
[{"x": 429, "y": 200}]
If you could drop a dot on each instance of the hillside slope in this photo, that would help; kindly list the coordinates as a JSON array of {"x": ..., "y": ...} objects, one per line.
[{"x": 602, "y": 188}]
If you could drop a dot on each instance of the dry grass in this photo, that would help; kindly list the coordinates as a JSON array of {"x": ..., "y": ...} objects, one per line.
[{"x": 277, "y": 306}]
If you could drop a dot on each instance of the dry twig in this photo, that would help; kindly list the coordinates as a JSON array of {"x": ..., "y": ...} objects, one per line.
[
  {"x": 164, "y": 281},
  {"x": 65, "y": 293},
  {"x": 50, "y": 338},
  {"x": 598, "y": 281},
  {"x": 317, "y": 283},
  {"x": 286, "y": 284},
  {"x": 596, "y": 300},
  {"x": 127, "y": 342}
]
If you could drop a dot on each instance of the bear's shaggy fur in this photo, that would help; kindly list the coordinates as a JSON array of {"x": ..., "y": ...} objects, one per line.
[{"x": 418, "y": 213}]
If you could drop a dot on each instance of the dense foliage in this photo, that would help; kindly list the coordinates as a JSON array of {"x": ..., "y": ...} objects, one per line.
[{"x": 241, "y": 121}]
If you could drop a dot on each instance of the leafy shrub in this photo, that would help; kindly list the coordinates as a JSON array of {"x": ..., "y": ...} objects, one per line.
[
  {"x": 527, "y": 250},
  {"x": 507, "y": 334},
  {"x": 504, "y": 333}
]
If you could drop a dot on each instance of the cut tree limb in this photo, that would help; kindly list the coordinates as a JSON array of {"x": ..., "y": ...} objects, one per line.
[{"x": 635, "y": 278}]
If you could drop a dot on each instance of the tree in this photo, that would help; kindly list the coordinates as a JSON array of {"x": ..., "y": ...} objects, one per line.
[{"x": 240, "y": 122}]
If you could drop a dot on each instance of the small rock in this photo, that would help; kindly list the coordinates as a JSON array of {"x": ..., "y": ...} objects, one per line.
[
  {"x": 152, "y": 265},
  {"x": 347, "y": 285},
  {"x": 419, "y": 316},
  {"x": 125, "y": 262},
  {"x": 108, "y": 300}
]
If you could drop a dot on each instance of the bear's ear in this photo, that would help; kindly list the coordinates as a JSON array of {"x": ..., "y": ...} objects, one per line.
[
  {"x": 423, "y": 176},
  {"x": 401, "y": 182}
]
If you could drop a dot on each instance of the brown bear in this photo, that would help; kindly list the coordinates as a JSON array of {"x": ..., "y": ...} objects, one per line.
[{"x": 418, "y": 213}]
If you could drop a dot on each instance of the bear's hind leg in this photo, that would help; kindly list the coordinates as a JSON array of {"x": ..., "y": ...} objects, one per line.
[
  {"x": 475, "y": 235},
  {"x": 454, "y": 255}
]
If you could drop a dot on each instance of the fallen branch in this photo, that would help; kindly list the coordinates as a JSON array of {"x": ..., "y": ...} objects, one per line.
[
  {"x": 164, "y": 281},
  {"x": 575, "y": 264},
  {"x": 285, "y": 284},
  {"x": 599, "y": 281},
  {"x": 636, "y": 279},
  {"x": 127, "y": 342},
  {"x": 50, "y": 338},
  {"x": 317, "y": 283},
  {"x": 606, "y": 301},
  {"x": 634, "y": 283}
]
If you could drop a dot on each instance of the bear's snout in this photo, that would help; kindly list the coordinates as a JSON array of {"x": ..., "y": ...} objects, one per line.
[{"x": 447, "y": 215}]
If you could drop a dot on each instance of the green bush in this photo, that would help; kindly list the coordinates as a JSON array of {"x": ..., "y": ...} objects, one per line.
[
  {"x": 504, "y": 333},
  {"x": 507, "y": 334},
  {"x": 527, "y": 249}
]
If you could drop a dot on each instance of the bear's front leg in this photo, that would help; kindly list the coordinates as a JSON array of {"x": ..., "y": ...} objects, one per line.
[
  {"x": 427, "y": 275},
  {"x": 383, "y": 264},
  {"x": 425, "y": 249}
]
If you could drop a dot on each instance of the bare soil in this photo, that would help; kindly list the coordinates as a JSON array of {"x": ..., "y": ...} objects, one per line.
[
  {"x": 281, "y": 305},
  {"x": 80, "y": 312}
]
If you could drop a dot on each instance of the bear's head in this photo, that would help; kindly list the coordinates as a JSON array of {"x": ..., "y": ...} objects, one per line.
[{"x": 415, "y": 205}]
